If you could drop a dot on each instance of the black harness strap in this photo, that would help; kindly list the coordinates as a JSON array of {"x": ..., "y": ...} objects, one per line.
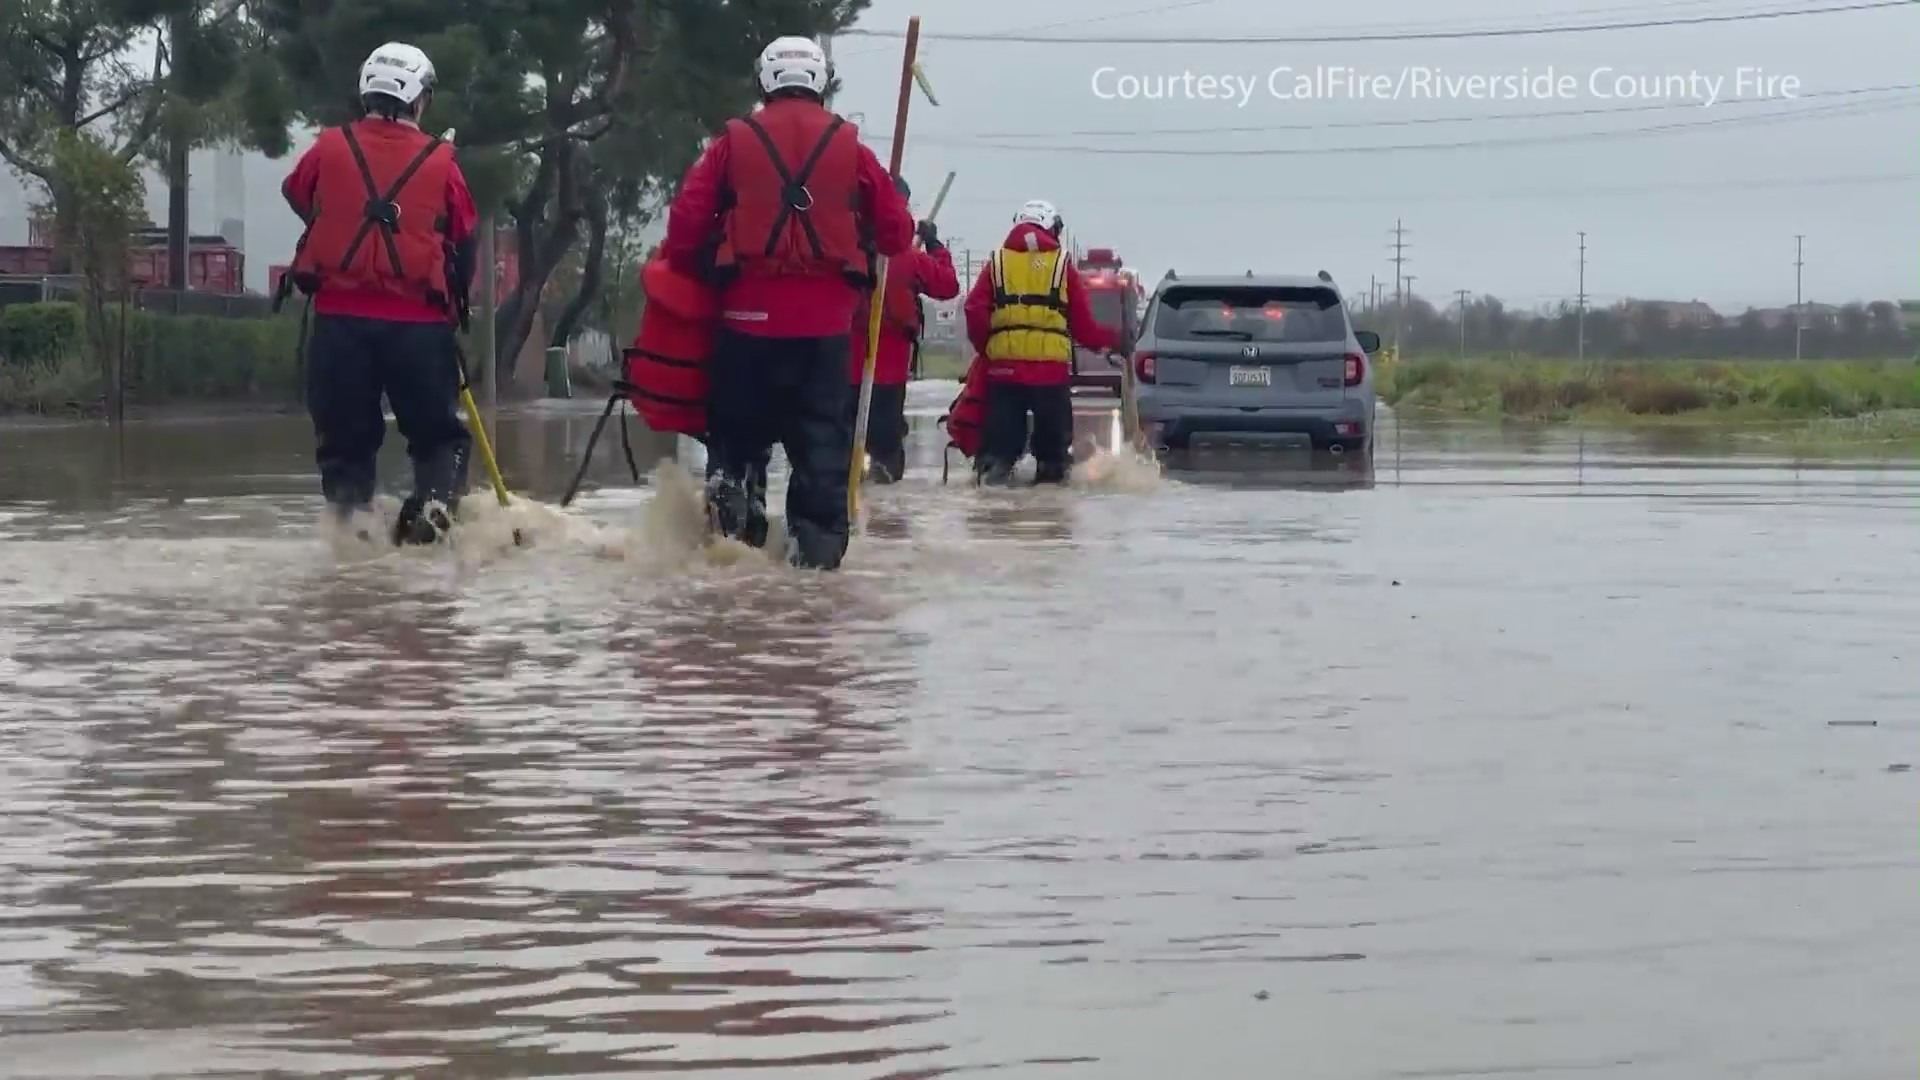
[
  {"x": 795, "y": 199},
  {"x": 1053, "y": 300},
  {"x": 381, "y": 210}
]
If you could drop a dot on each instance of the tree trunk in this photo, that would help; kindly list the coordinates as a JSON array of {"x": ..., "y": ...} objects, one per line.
[
  {"x": 591, "y": 274},
  {"x": 178, "y": 236},
  {"x": 542, "y": 244}
]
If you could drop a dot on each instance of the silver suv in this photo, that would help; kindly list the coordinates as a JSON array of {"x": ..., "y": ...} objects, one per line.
[{"x": 1257, "y": 357}]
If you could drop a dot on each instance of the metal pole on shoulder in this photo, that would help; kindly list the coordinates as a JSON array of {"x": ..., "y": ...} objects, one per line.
[{"x": 857, "y": 467}]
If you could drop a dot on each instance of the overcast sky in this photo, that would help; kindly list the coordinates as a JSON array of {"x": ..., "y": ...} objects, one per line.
[{"x": 1706, "y": 208}]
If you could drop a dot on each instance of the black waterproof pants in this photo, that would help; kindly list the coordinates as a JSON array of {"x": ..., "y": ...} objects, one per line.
[
  {"x": 791, "y": 391},
  {"x": 351, "y": 362},
  {"x": 886, "y": 430},
  {"x": 1005, "y": 438}
]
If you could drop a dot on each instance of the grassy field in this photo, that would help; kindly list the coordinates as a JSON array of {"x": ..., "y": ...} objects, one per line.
[{"x": 1840, "y": 400}]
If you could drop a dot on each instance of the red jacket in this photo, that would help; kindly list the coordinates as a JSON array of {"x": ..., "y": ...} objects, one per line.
[
  {"x": 303, "y": 184},
  {"x": 782, "y": 307},
  {"x": 1087, "y": 331},
  {"x": 911, "y": 276}
]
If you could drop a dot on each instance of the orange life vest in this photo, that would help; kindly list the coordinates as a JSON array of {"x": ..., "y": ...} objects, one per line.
[
  {"x": 667, "y": 363},
  {"x": 379, "y": 218},
  {"x": 793, "y": 174},
  {"x": 966, "y": 418}
]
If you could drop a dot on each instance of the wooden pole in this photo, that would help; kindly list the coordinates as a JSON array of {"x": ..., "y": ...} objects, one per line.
[{"x": 857, "y": 467}]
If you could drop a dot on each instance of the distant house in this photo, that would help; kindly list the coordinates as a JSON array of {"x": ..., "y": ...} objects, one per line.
[
  {"x": 1675, "y": 313},
  {"x": 1910, "y": 315},
  {"x": 1812, "y": 315}
]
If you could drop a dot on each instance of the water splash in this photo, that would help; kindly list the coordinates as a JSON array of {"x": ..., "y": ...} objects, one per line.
[
  {"x": 670, "y": 536},
  {"x": 1117, "y": 466}
]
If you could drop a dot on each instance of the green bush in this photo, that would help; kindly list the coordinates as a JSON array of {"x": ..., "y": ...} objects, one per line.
[
  {"x": 170, "y": 358},
  {"x": 38, "y": 335}
]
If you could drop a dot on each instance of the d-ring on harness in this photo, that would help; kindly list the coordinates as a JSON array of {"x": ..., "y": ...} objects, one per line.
[{"x": 795, "y": 197}]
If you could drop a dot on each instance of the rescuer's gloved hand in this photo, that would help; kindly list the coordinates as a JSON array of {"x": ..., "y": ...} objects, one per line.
[{"x": 929, "y": 235}]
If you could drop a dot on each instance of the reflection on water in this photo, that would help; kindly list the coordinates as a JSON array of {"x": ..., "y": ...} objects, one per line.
[{"x": 1274, "y": 760}]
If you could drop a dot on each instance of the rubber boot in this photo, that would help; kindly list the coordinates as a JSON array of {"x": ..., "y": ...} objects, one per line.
[
  {"x": 810, "y": 547},
  {"x": 737, "y": 509},
  {"x": 348, "y": 504},
  {"x": 442, "y": 477},
  {"x": 1056, "y": 473},
  {"x": 991, "y": 473},
  {"x": 888, "y": 468},
  {"x": 422, "y": 521}
]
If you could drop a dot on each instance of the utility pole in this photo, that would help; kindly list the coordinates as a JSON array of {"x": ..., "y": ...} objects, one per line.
[
  {"x": 1398, "y": 317},
  {"x": 1399, "y": 282},
  {"x": 1581, "y": 332},
  {"x": 1462, "y": 293},
  {"x": 1373, "y": 291},
  {"x": 1799, "y": 304}
]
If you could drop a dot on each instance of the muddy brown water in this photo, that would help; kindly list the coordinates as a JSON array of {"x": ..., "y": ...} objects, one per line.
[{"x": 1521, "y": 756}]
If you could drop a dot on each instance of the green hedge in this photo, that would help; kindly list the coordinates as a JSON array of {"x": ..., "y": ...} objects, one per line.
[{"x": 170, "y": 358}]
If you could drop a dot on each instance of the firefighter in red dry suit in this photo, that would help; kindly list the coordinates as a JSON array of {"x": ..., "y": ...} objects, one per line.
[
  {"x": 784, "y": 213},
  {"x": 1025, "y": 314},
  {"x": 387, "y": 257},
  {"x": 916, "y": 274}
]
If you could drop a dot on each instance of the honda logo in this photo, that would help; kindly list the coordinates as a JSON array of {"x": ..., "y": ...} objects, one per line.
[{"x": 1249, "y": 350}]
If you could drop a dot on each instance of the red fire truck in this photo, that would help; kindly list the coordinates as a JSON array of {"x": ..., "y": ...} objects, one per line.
[{"x": 1116, "y": 296}]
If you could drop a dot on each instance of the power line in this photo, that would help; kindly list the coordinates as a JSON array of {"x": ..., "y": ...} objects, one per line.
[
  {"x": 1111, "y": 16},
  {"x": 1787, "y": 116},
  {"x": 1713, "y": 187},
  {"x": 1430, "y": 35},
  {"x": 1241, "y": 129}
]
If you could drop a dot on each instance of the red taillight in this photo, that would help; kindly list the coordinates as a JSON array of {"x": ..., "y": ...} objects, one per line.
[
  {"x": 1356, "y": 368},
  {"x": 1143, "y": 366}
]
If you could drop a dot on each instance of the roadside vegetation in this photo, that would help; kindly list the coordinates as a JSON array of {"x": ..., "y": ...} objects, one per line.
[
  {"x": 50, "y": 366},
  {"x": 1850, "y": 400}
]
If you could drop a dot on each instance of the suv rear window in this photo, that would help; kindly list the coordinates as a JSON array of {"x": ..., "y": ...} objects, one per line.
[{"x": 1275, "y": 314}]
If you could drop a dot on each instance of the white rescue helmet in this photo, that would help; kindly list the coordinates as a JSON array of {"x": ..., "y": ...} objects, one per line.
[
  {"x": 1039, "y": 212},
  {"x": 793, "y": 63},
  {"x": 399, "y": 71}
]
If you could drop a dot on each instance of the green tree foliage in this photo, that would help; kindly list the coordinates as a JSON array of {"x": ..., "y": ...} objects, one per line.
[
  {"x": 68, "y": 65},
  {"x": 573, "y": 116},
  {"x": 138, "y": 76},
  {"x": 105, "y": 201}
]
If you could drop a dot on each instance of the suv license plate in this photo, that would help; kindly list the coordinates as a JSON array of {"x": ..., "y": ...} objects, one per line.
[{"x": 1250, "y": 376}]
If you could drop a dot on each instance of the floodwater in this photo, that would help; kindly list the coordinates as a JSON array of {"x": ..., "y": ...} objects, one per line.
[{"x": 1526, "y": 756}]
